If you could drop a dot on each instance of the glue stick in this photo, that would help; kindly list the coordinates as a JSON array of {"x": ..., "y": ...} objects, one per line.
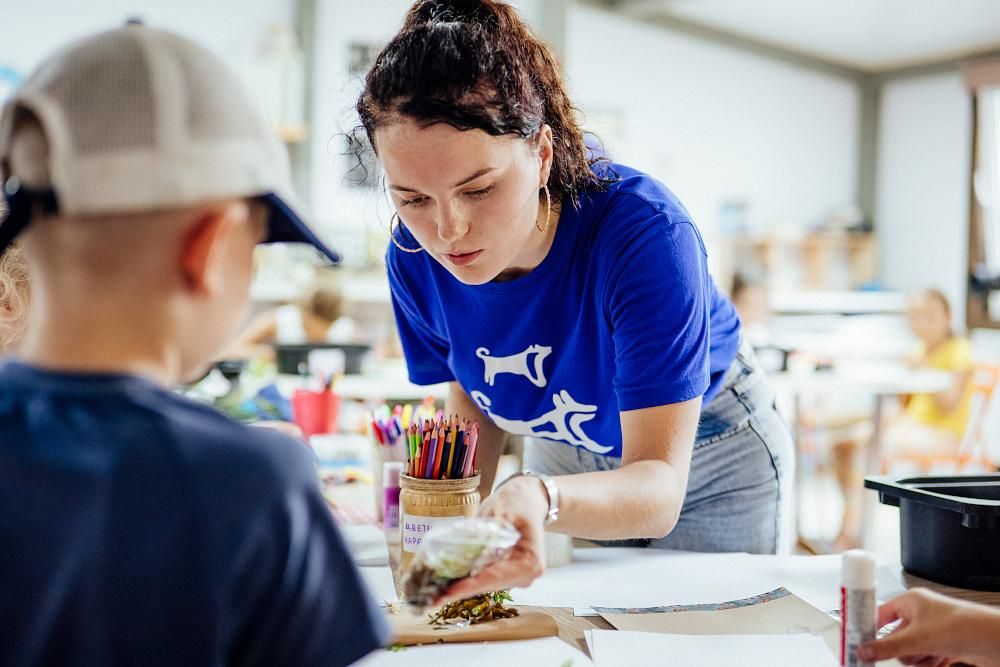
[
  {"x": 391, "y": 470},
  {"x": 857, "y": 605}
]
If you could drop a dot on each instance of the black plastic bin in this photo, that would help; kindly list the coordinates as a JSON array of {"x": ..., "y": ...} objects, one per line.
[
  {"x": 292, "y": 358},
  {"x": 949, "y": 527}
]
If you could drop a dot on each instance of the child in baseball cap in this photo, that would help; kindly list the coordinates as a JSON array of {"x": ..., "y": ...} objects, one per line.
[{"x": 138, "y": 527}]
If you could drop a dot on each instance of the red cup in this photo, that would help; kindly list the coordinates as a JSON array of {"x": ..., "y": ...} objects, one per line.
[{"x": 315, "y": 411}]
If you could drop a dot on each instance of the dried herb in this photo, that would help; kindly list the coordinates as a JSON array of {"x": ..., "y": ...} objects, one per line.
[{"x": 478, "y": 609}]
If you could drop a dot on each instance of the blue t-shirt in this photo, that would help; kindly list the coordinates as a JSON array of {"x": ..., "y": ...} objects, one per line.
[
  {"x": 139, "y": 528},
  {"x": 620, "y": 315}
]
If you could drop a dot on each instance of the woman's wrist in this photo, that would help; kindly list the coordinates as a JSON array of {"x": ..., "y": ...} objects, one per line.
[{"x": 528, "y": 490}]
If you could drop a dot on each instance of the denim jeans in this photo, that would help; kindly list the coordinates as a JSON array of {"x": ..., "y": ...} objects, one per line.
[{"x": 741, "y": 469}]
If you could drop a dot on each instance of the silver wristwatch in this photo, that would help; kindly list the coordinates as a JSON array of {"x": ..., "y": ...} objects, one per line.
[{"x": 551, "y": 490}]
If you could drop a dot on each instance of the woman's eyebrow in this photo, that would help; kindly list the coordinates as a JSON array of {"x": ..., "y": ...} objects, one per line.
[{"x": 481, "y": 172}]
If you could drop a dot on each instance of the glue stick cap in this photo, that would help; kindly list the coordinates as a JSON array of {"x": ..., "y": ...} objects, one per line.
[
  {"x": 857, "y": 569},
  {"x": 391, "y": 471}
]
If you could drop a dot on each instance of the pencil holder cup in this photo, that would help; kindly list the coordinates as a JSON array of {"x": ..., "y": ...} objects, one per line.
[
  {"x": 315, "y": 412},
  {"x": 426, "y": 503}
]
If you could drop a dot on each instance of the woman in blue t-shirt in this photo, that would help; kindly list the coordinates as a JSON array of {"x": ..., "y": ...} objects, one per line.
[{"x": 566, "y": 299}]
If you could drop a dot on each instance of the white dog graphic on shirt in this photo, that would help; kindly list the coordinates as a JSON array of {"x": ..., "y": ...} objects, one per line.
[
  {"x": 516, "y": 364},
  {"x": 565, "y": 419}
]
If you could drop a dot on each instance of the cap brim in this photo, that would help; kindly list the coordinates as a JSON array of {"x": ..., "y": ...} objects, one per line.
[
  {"x": 10, "y": 228},
  {"x": 20, "y": 202},
  {"x": 286, "y": 226}
]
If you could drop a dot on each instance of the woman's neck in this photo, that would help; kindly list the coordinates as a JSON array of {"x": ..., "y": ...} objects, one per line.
[{"x": 538, "y": 248}]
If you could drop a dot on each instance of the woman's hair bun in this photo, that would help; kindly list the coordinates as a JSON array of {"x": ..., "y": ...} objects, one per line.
[{"x": 452, "y": 11}]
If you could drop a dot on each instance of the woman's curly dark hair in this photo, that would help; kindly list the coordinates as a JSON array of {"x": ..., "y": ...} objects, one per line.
[{"x": 477, "y": 65}]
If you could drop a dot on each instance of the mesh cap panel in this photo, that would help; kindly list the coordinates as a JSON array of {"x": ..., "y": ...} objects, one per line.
[
  {"x": 105, "y": 93},
  {"x": 210, "y": 92}
]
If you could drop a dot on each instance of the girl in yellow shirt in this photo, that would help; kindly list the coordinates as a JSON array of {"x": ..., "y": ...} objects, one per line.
[{"x": 933, "y": 424}]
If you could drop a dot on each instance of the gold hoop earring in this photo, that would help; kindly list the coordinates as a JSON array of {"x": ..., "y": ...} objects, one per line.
[
  {"x": 548, "y": 211},
  {"x": 392, "y": 235}
]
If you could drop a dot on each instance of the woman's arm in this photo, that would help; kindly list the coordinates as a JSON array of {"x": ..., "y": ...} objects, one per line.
[
  {"x": 490, "y": 445},
  {"x": 254, "y": 341},
  {"x": 643, "y": 498}
]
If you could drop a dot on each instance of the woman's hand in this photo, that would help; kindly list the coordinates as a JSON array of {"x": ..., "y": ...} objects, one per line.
[
  {"x": 936, "y": 631},
  {"x": 524, "y": 503}
]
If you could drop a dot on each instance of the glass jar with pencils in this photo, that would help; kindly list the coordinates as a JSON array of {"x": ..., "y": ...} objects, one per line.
[
  {"x": 427, "y": 503},
  {"x": 441, "y": 480}
]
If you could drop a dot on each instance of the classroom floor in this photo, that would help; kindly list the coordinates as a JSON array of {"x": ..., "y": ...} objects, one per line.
[{"x": 820, "y": 505}]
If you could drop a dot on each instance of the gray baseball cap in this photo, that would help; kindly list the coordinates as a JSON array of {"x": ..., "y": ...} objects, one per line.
[{"x": 139, "y": 119}]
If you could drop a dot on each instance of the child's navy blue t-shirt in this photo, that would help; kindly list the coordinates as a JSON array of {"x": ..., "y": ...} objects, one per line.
[
  {"x": 137, "y": 527},
  {"x": 621, "y": 314}
]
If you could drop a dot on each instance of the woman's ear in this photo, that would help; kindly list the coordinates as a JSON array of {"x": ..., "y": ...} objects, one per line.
[
  {"x": 546, "y": 153},
  {"x": 204, "y": 249}
]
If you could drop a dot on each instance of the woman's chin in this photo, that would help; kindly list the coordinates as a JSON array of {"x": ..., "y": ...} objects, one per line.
[{"x": 468, "y": 275}]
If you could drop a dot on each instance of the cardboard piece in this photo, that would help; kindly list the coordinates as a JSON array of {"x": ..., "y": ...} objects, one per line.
[{"x": 775, "y": 613}]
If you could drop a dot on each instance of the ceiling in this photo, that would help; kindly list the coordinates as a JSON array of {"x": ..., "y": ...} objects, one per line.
[{"x": 869, "y": 35}]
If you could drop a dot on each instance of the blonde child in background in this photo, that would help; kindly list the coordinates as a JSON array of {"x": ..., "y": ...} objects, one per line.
[
  {"x": 933, "y": 424},
  {"x": 317, "y": 318},
  {"x": 13, "y": 297}
]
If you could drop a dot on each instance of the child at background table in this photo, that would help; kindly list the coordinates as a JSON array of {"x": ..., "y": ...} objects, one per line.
[
  {"x": 317, "y": 318},
  {"x": 933, "y": 424}
]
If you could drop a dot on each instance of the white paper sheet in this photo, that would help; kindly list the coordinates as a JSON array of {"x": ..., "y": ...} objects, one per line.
[
  {"x": 816, "y": 579},
  {"x": 613, "y": 648},
  {"x": 618, "y": 577},
  {"x": 639, "y": 578},
  {"x": 366, "y": 542},
  {"x": 548, "y": 652},
  {"x": 379, "y": 582}
]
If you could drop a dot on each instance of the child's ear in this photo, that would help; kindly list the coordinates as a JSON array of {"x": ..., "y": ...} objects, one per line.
[{"x": 205, "y": 245}]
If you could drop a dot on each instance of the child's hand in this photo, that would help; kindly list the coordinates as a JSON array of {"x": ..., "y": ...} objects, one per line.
[{"x": 936, "y": 631}]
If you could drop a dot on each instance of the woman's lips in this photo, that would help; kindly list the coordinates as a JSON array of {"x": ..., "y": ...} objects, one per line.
[{"x": 464, "y": 258}]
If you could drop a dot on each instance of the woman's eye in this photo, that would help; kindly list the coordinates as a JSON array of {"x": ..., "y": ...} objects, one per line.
[
  {"x": 480, "y": 194},
  {"x": 416, "y": 201}
]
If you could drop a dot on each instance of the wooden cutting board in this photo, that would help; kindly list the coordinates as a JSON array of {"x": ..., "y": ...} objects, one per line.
[{"x": 409, "y": 630}]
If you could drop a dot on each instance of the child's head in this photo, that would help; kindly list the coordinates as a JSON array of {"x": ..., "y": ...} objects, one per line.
[
  {"x": 325, "y": 301},
  {"x": 929, "y": 315},
  {"x": 750, "y": 299},
  {"x": 13, "y": 297},
  {"x": 147, "y": 177}
]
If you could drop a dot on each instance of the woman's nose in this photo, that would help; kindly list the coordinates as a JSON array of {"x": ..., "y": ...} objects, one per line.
[{"x": 451, "y": 225}]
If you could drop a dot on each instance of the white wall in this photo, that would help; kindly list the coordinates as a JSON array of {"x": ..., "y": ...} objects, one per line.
[
  {"x": 923, "y": 185},
  {"x": 718, "y": 124},
  {"x": 714, "y": 123},
  {"x": 232, "y": 28}
]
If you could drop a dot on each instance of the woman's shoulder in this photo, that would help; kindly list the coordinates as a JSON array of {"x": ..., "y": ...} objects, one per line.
[
  {"x": 632, "y": 207},
  {"x": 626, "y": 190}
]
